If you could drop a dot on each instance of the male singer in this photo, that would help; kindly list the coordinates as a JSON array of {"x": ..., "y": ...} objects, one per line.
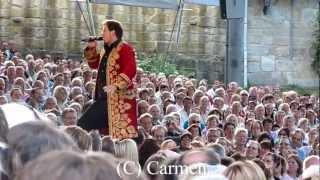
[{"x": 114, "y": 110}]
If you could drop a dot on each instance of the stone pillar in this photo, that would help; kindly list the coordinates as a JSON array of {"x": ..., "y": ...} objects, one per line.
[{"x": 234, "y": 65}]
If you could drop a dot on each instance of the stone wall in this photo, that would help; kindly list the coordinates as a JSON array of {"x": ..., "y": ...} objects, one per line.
[
  {"x": 56, "y": 26},
  {"x": 278, "y": 43}
]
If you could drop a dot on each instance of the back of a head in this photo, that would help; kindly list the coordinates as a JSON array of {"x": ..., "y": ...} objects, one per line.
[
  {"x": 67, "y": 165},
  {"x": 203, "y": 155},
  {"x": 247, "y": 170},
  {"x": 218, "y": 148},
  {"x": 32, "y": 139},
  {"x": 80, "y": 136},
  {"x": 153, "y": 165},
  {"x": 96, "y": 140},
  {"x": 148, "y": 147},
  {"x": 108, "y": 145},
  {"x": 126, "y": 149}
]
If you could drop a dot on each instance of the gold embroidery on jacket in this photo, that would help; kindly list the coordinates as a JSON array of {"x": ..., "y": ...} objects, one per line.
[{"x": 119, "y": 122}]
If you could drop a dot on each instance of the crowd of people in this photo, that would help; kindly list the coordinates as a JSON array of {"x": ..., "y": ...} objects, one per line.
[{"x": 255, "y": 134}]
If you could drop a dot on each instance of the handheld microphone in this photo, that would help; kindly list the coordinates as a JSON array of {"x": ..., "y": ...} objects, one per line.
[{"x": 92, "y": 38}]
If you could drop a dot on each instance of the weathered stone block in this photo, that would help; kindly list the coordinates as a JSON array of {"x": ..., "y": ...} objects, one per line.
[
  {"x": 16, "y": 12},
  {"x": 253, "y": 67},
  {"x": 257, "y": 50},
  {"x": 280, "y": 51},
  {"x": 4, "y": 13},
  {"x": 63, "y": 4},
  {"x": 285, "y": 65},
  {"x": 267, "y": 63},
  {"x": 33, "y": 13}
]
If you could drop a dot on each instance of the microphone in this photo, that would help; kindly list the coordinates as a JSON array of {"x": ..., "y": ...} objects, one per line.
[{"x": 92, "y": 38}]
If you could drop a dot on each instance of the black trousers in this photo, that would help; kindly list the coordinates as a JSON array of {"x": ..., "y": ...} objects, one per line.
[{"x": 95, "y": 117}]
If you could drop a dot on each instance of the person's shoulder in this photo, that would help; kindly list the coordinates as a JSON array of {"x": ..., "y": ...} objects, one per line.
[{"x": 126, "y": 45}]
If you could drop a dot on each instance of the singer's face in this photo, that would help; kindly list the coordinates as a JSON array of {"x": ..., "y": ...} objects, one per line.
[{"x": 107, "y": 35}]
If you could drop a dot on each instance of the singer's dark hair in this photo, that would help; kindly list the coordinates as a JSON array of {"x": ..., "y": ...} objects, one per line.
[{"x": 116, "y": 26}]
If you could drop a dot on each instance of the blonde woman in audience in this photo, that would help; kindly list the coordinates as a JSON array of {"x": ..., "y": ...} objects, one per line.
[{"x": 246, "y": 170}]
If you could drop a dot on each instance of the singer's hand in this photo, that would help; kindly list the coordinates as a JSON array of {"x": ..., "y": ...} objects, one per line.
[
  {"x": 92, "y": 44},
  {"x": 110, "y": 89}
]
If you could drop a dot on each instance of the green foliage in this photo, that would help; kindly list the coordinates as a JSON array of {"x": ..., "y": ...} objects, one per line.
[
  {"x": 158, "y": 63},
  {"x": 300, "y": 90},
  {"x": 316, "y": 46}
]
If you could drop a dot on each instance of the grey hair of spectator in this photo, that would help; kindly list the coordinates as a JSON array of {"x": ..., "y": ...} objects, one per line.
[
  {"x": 204, "y": 155},
  {"x": 126, "y": 149},
  {"x": 58, "y": 89},
  {"x": 167, "y": 119},
  {"x": 156, "y": 127},
  {"x": 76, "y": 90},
  {"x": 32, "y": 139},
  {"x": 218, "y": 148},
  {"x": 66, "y": 165},
  {"x": 96, "y": 140},
  {"x": 77, "y": 81},
  {"x": 108, "y": 145},
  {"x": 192, "y": 116},
  {"x": 80, "y": 136},
  {"x": 171, "y": 108},
  {"x": 76, "y": 106}
]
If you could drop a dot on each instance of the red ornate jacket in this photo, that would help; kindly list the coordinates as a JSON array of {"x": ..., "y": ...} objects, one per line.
[{"x": 121, "y": 105}]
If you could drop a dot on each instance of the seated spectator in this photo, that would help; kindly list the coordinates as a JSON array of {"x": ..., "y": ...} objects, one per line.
[
  {"x": 294, "y": 166},
  {"x": 69, "y": 117},
  {"x": 212, "y": 122},
  {"x": 195, "y": 130},
  {"x": 159, "y": 133},
  {"x": 145, "y": 121},
  {"x": 265, "y": 147},
  {"x": 252, "y": 149},
  {"x": 213, "y": 134},
  {"x": 143, "y": 107},
  {"x": 16, "y": 95},
  {"x": 172, "y": 126},
  {"x": 194, "y": 119}
]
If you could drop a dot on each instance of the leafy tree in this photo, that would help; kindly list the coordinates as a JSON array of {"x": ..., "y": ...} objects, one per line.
[{"x": 157, "y": 63}]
